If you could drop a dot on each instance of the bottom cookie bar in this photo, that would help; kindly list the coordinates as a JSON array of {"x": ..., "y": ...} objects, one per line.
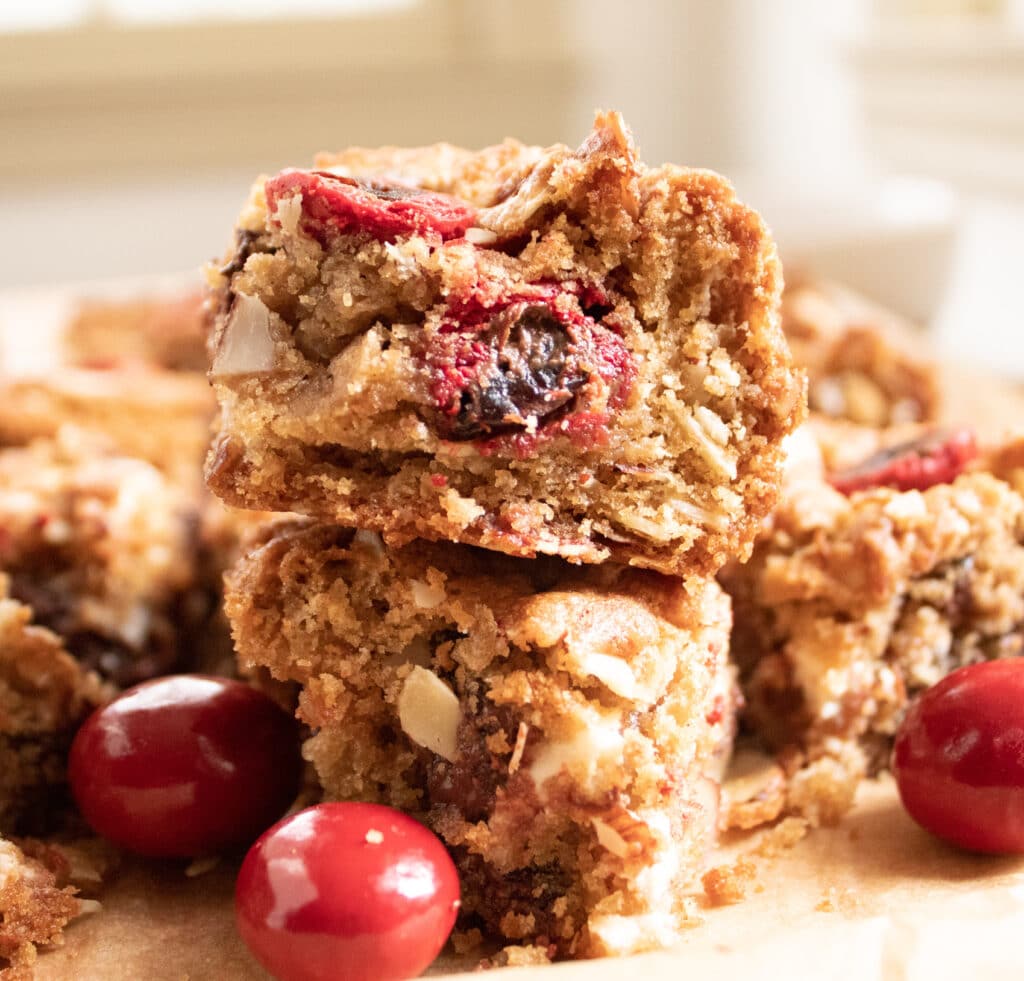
[{"x": 560, "y": 728}]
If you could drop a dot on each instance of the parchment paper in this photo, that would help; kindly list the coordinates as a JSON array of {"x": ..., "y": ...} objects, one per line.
[{"x": 876, "y": 898}]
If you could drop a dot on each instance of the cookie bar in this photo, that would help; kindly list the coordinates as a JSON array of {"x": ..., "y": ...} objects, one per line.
[
  {"x": 34, "y": 909},
  {"x": 158, "y": 416},
  {"x": 540, "y": 351},
  {"x": 561, "y": 728},
  {"x": 860, "y": 368},
  {"x": 44, "y": 695},
  {"x": 853, "y": 602},
  {"x": 168, "y": 331},
  {"x": 102, "y": 547}
]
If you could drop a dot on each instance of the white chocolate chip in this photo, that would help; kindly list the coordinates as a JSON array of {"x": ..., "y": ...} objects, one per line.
[
  {"x": 612, "y": 672},
  {"x": 425, "y": 595},
  {"x": 429, "y": 713},
  {"x": 596, "y": 746},
  {"x": 610, "y": 839}
]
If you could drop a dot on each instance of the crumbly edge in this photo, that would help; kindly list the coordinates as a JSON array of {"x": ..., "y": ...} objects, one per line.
[
  {"x": 40, "y": 888},
  {"x": 851, "y": 605}
]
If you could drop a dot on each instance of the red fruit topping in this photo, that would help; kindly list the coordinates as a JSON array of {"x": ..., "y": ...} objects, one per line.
[
  {"x": 185, "y": 765},
  {"x": 346, "y": 892},
  {"x": 334, "y": 205},
  {"x": 959, "y": 758},
  {"x": 514, "y": 367},
  {"x": 936, "y": 458}
]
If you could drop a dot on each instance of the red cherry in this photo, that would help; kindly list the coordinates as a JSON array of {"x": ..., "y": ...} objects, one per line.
[
  {"x": 346, "y": 892},
  {"x": 938, "y": 457},
  {"x": 959, "y": 758},
  {"x": 185, "y": 765},
  {"x": 337, "y": 205}
]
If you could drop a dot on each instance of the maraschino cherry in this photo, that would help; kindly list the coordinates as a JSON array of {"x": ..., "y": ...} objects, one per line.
[
  {"x": 185, "y": 766},
  {"x": 346, "y": 892}
]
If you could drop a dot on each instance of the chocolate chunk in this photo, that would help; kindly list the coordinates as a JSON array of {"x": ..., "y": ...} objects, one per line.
[
  {"x": 526, "y": 892},
  {"x": 470, "y": 782},
  {"x": 245, "y": 241},
  {"x": 530, "y": 369}
]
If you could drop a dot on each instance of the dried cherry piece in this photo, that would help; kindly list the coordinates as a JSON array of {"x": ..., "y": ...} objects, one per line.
[
  {"x": 959, "y": 758},
  {"x": 524, "y": 366},
  {"x": 336, "y": 205},
  {"x": 346, "y": 892},
  {"x": 512, "y": 365},
  {"x": 938, "y": 457}
]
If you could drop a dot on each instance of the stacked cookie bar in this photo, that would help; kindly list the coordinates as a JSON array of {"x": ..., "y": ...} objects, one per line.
[{"x": 529, "y": 402}]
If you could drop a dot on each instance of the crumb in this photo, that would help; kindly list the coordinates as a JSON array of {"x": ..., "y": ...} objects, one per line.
[
  {"x": 524, "y": 955},
  {"x": 839, "y": 900},
  {"x": 466, "y": 941},
  {"x": 374, "y": 837},
  {"x": 785, "y": 835},
  {"x": 725, "y": 885}
]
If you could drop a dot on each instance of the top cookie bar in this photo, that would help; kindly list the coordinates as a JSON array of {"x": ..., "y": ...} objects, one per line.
[{"x": 532, "y": 350}]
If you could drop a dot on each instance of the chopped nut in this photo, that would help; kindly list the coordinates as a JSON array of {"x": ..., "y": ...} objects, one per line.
[
  {"x": 754, "y": 791},
  {"x": 520, "y": 747},
  {"x": 613, "y": 672},
  {"x": 429, "y": 712},
  {"x": 247, "y": 346},
  {"x": 480, "y": 236},
  {"x": 622, "y": 832}
]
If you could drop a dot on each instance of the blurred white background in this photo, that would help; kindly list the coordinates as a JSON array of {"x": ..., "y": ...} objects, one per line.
[{"x": 884, "y": 141}]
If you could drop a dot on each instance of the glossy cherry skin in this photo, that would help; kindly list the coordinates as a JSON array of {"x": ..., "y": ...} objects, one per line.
[
  {"x": 185, "y": 765},
  {"x": 346, "y": 892},
  {"x": 959, "y": 758}
]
